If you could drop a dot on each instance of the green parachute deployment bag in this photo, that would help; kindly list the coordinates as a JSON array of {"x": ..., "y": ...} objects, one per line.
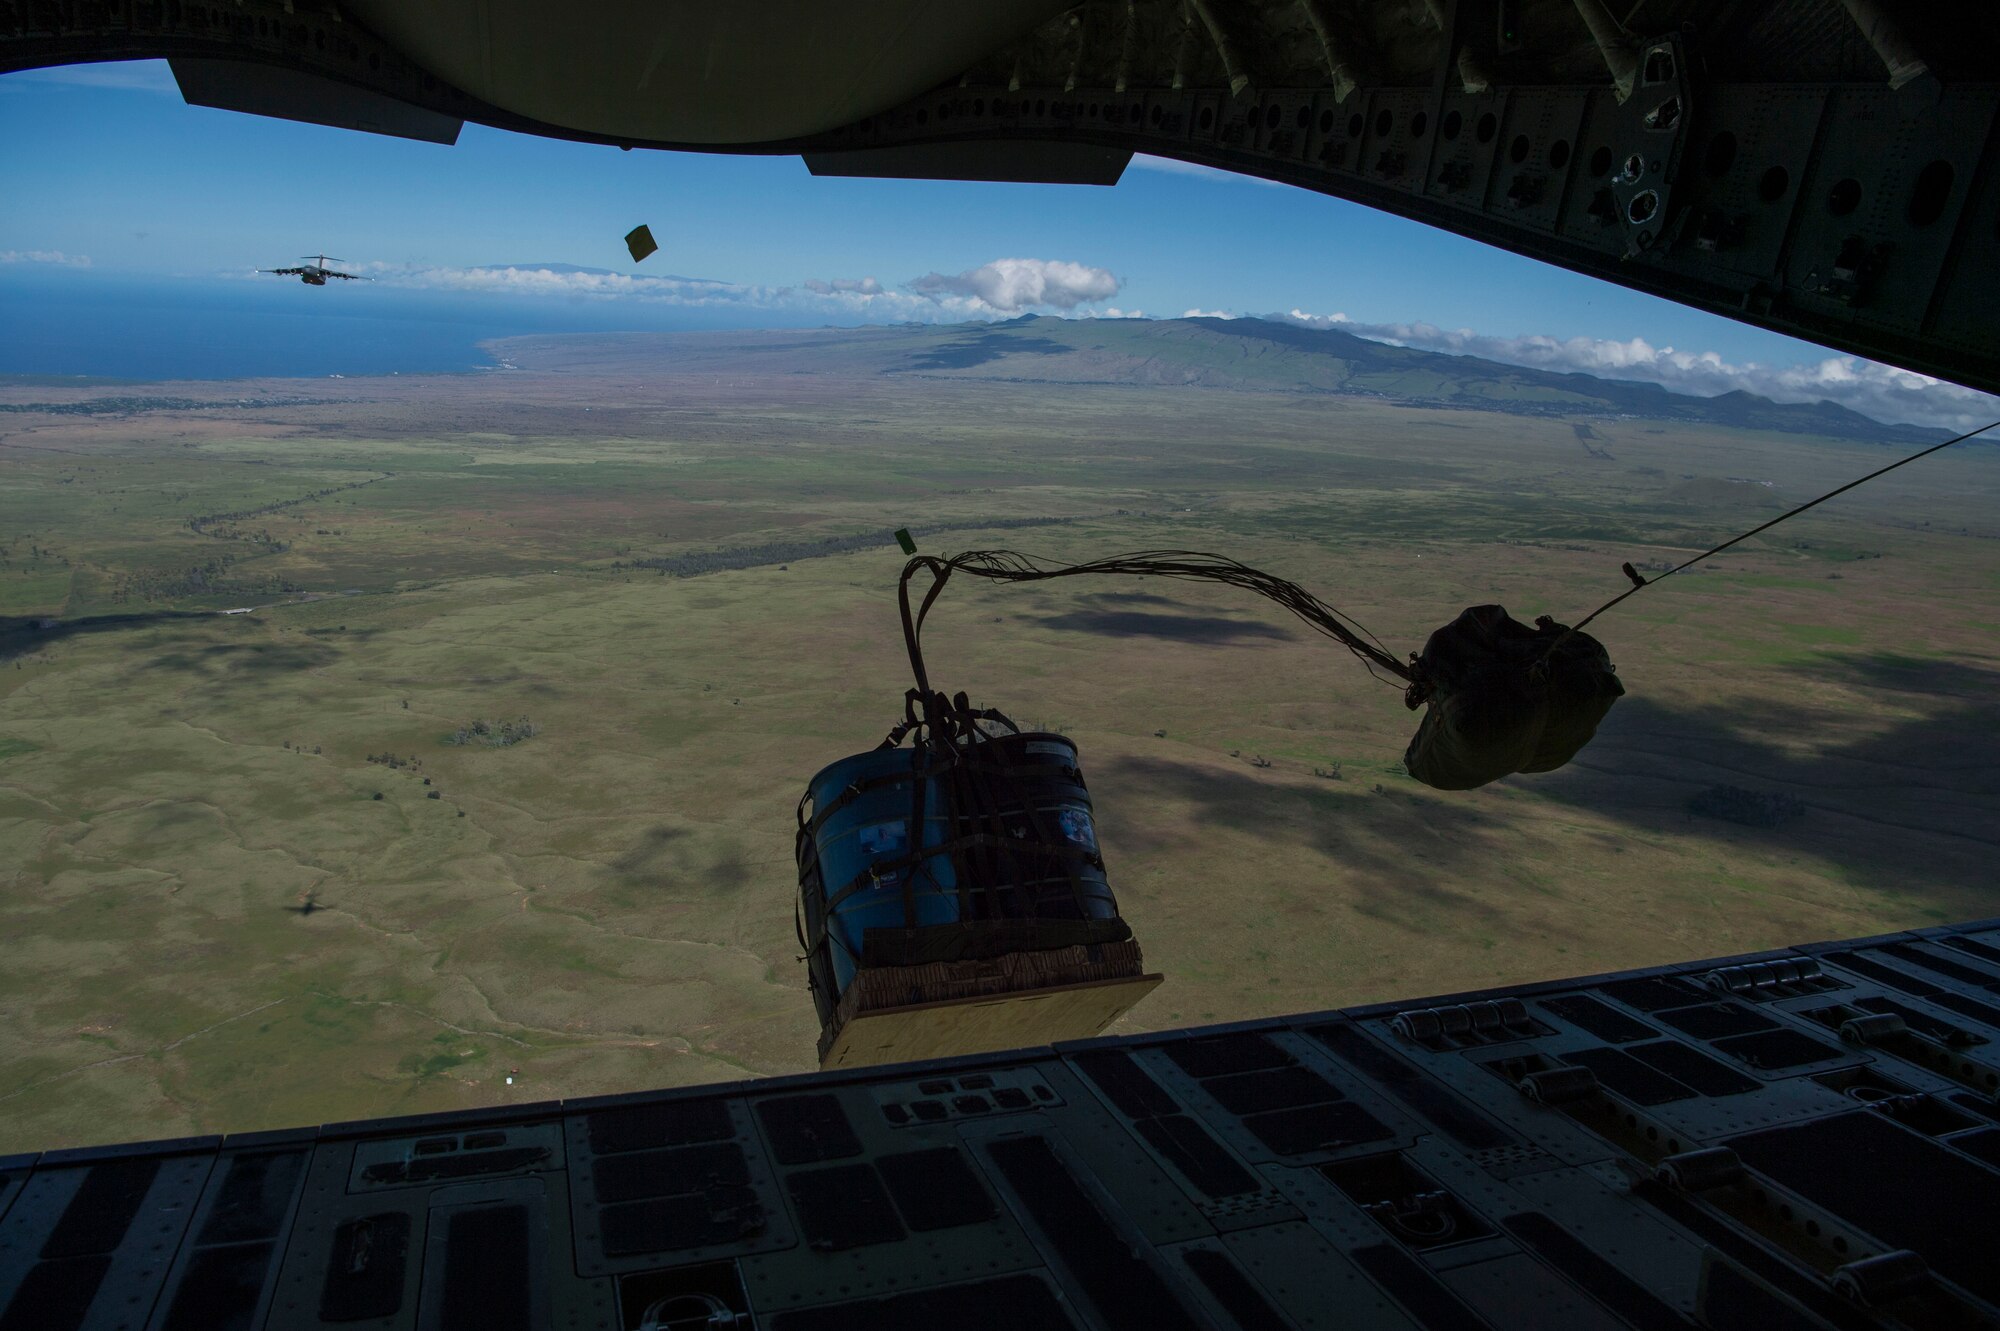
[{"x": 1505, "y": 698}]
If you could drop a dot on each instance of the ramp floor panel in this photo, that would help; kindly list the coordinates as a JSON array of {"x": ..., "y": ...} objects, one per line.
[{"x": 1336, "y": 1169}]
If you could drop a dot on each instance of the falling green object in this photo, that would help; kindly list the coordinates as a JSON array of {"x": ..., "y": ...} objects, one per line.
[
  {"x": 639, "y": 240},
  {"x": 904, "y": 539}
]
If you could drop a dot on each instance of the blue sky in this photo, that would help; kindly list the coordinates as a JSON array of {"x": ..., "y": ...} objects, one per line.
[{"x": 110, "y": 175}]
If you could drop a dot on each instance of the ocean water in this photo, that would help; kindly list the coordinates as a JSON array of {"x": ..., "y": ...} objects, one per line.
[{"x": 107, "y": 326}]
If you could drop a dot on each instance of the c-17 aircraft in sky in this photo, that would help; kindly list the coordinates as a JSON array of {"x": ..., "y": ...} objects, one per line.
[{"x": 314, "y": 274}]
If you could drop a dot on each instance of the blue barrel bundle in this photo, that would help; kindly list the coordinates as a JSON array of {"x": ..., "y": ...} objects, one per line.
[
  {"x": 877, "y": 821},
  {"x": 953, "y": 896}
]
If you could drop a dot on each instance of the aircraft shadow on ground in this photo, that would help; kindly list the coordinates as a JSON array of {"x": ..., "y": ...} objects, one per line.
[{"x": 1911, "y": 805}]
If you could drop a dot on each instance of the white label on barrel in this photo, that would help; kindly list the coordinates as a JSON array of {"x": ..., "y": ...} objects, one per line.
[
  {"x": 881, "y": 840},
  {"x": 1049, "y": 746},
  {"x": 1075, "y": 821}
]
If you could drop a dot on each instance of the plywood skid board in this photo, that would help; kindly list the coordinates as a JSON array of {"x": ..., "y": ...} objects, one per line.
[{"x": 985, "y": 1023}]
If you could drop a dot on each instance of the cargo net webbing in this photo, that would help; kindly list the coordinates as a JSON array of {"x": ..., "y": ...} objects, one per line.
[{"x": 1022, "y": 877}]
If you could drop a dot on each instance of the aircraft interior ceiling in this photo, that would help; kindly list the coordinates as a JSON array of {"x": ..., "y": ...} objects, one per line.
[{"x": 1821, "y": 168}]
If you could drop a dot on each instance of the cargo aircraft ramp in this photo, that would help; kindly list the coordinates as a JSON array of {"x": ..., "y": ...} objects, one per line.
[{"x": 1799, "y": 1139}]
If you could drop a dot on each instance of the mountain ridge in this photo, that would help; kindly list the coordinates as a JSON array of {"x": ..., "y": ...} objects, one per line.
[
  {"x": 1211, "y": 352},
  {"x": 1480, "y": 380}
]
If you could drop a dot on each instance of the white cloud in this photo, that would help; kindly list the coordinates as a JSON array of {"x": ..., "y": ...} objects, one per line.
[
  {"x": 124, "y": 75},
  {"x": 1881, "y": 391},
  {"x": 863, "y": 299},
  {"x": 1000, "y": 289},
  {"x": 45, "y": 256},
  {"x": 862, "y": 286},
  {"x": 1010, "y": 286},
  {"x": 1207, "y": 314},
  {"x": 585, "y": 284}
]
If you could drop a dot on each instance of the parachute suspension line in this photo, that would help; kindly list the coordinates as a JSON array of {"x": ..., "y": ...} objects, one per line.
[
  {"x": 1639, "y": 584},
  {"x": 1023, "y": 849},
  {"x": 1187, "y": 565}
]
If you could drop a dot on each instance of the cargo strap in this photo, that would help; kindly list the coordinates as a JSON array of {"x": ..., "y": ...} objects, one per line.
[
  {"x": 874, "y": 873},
  {"x": 856, "y": 789},
  {"x": 982, "y": 804},
  {"x": 989, "y": 939}
]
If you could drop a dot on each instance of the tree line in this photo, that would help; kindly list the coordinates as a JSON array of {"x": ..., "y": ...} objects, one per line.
[
  {"x": 223, "y": 527},
  {"x": 125, "y": 406},
  {"x": 499, "y": 734}
]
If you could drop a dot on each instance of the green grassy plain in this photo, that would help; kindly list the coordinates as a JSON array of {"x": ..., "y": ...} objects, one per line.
[{"x": 607, "y": 905}]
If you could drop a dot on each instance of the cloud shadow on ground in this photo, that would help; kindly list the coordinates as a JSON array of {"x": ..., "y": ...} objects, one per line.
[
  {"x": 668, "y": 858},
  {"x": 26, "y": 635},
  {"x": 1403, "y": 835},
  {"x": 247, "y": 659},
  {"x": 1911, "y": 805},
  {"x": 1212, "y": 630},
  {"x": 978, "y": 348},
  {"x": 650, "y": 860},
  {"x": 1130, "y": 598}
]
